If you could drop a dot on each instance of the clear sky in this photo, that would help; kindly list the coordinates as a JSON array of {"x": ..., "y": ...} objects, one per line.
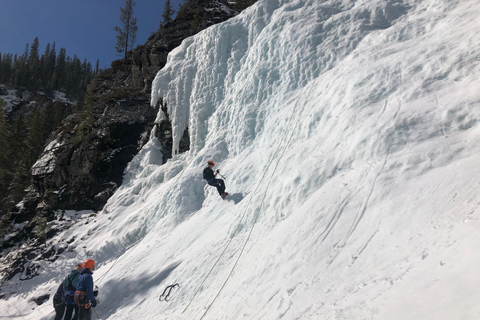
[{"x": 83, "y": 27}]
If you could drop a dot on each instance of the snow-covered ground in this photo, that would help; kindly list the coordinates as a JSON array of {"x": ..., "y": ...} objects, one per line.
[
  {"x": 10, "y": 98},
  {"x": 13, "y": 98},
  {"x": 348, "y": 132}
]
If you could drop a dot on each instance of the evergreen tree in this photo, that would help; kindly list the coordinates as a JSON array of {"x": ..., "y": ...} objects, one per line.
[
  {"x": 36, "y": 134},
  {"x": 167, "y": 13},
  {"x": 43, "y": 65},
  {"x": 50, "y": 66},
  {"x": 97, "y": 67},
  {"x": 20, "y": 66},
  {"x": 6, "y": 68},
  {"x": 47, "y": 68},
  {"x": 22, "y": 144},
  {"x": 54, "y": 114},
  {"x": 80, "y": 102},
  {"x": 18, "y": 158},
  {"x": 5, "y": 167},
  {"x": 18, "y": 146},
  {"x": 127, "y": 33},
  {"x": 73, "y": 76},
  {"x": 59, "y": 76},
  {"x": 20, "y": 181},
  {"x": 86, "y": 76},
  {"x": 33, "y": 65}
]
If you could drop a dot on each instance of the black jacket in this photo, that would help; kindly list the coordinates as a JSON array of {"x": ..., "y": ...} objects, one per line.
[{"x": 208, "y": 174}]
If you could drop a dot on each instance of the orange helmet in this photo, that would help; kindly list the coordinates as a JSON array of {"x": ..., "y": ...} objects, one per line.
[
  {"x": 211, "y": 163},
  {"x": 88, "y": 263}
]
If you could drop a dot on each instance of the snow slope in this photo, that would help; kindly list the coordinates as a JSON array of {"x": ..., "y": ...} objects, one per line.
[{"x": 348, "y": 132}]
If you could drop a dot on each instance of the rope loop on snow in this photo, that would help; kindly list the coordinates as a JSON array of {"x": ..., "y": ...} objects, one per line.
[{"x": 165, "y": 296}]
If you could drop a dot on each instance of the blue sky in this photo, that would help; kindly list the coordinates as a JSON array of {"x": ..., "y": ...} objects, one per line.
[{"x": 83, "y": 27}]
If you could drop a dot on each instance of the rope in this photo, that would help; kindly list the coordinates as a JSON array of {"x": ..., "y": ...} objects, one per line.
[
  {"x": 142, "y": 226},
  {"x": 96, "y": 314},
  {"x": 246, "y": 208},
  {"x": 165, "y": 296},
  {"x": 261, "y": 204}
]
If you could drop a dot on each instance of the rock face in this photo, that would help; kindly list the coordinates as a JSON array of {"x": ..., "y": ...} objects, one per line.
[{"x": 83, "y": 162}]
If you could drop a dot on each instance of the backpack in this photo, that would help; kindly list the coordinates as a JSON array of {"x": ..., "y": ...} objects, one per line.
[
  {"x": 206, "y": 172},
  {"x": 70, "y": 289},
  {"x": 59, "y": 297}
]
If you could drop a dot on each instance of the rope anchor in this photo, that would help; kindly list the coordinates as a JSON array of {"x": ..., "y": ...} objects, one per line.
[{"x": 166, "y": 293}]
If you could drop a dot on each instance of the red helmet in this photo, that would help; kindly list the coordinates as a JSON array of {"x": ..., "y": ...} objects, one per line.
[
  {"x": 88, "y": 263},
  {"x": 211, "y": 163}
]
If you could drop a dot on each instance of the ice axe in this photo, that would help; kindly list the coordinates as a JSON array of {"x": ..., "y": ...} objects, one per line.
[{"x": 218, "y": 171}]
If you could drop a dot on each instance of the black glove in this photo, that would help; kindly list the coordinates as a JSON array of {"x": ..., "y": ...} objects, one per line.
[
  {"x": 95, "y": 293},
  {"x": 218, "y": 171},
  {"x": 94, "y": 303}
]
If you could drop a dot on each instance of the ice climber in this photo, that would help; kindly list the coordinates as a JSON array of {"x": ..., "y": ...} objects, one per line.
[
  {"x": 210, "y": 176},
  {"x": 84, "y": 296}
]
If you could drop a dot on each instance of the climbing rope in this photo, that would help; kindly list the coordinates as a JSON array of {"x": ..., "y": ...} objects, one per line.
[
  {"x": 142, "y": 227},
  {"x": 261, "y": 204},
  {"x": 165, "y": 296},
  {"x": 248, "y": 205}
]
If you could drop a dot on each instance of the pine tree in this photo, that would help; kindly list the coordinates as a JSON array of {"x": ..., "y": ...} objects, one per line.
[
  {"x": 50, "y": 67},
  {"x": 20, "y": 66},
  {"x": 20, "y": 177},
  {"x": 5, "y": 167},
  {"x": 55, "y": 112},
  {"x": 33, "y": 64},
  {"x": 47, "y": 67},
  {"x": 97, "y": 67},
  {"x": 167, "y": 13},
  {"x": 17, "y": 142},
  {"x": 59, "y": 75},
  {"x": 127, "y": 34},
  {"x": 73, "y": 76},
  {"x": 36, "y": 135},
  {"x": 6, "y": 68},
  {"x": 20, "y": 181},
  {"x": 80, "y": 102},
  {"x": 86, "y": 76}
]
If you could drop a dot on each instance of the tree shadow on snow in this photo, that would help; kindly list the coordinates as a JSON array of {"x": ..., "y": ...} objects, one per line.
[{"x": 127, "y": 287}]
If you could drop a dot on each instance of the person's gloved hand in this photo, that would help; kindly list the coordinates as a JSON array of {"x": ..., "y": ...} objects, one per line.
[
  {"x": 218, "y": 171},
  {"x": 95, "y": 293},
  {"x": 94, "y": 303}
]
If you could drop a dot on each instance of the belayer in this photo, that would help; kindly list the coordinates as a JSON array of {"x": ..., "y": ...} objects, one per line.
[
  {"x": 85, "y": 295},
  {"x": 211, "y": 177}
]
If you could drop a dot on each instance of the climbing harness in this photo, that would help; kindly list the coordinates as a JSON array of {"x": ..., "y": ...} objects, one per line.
[{"x": 166, "y": 293}]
